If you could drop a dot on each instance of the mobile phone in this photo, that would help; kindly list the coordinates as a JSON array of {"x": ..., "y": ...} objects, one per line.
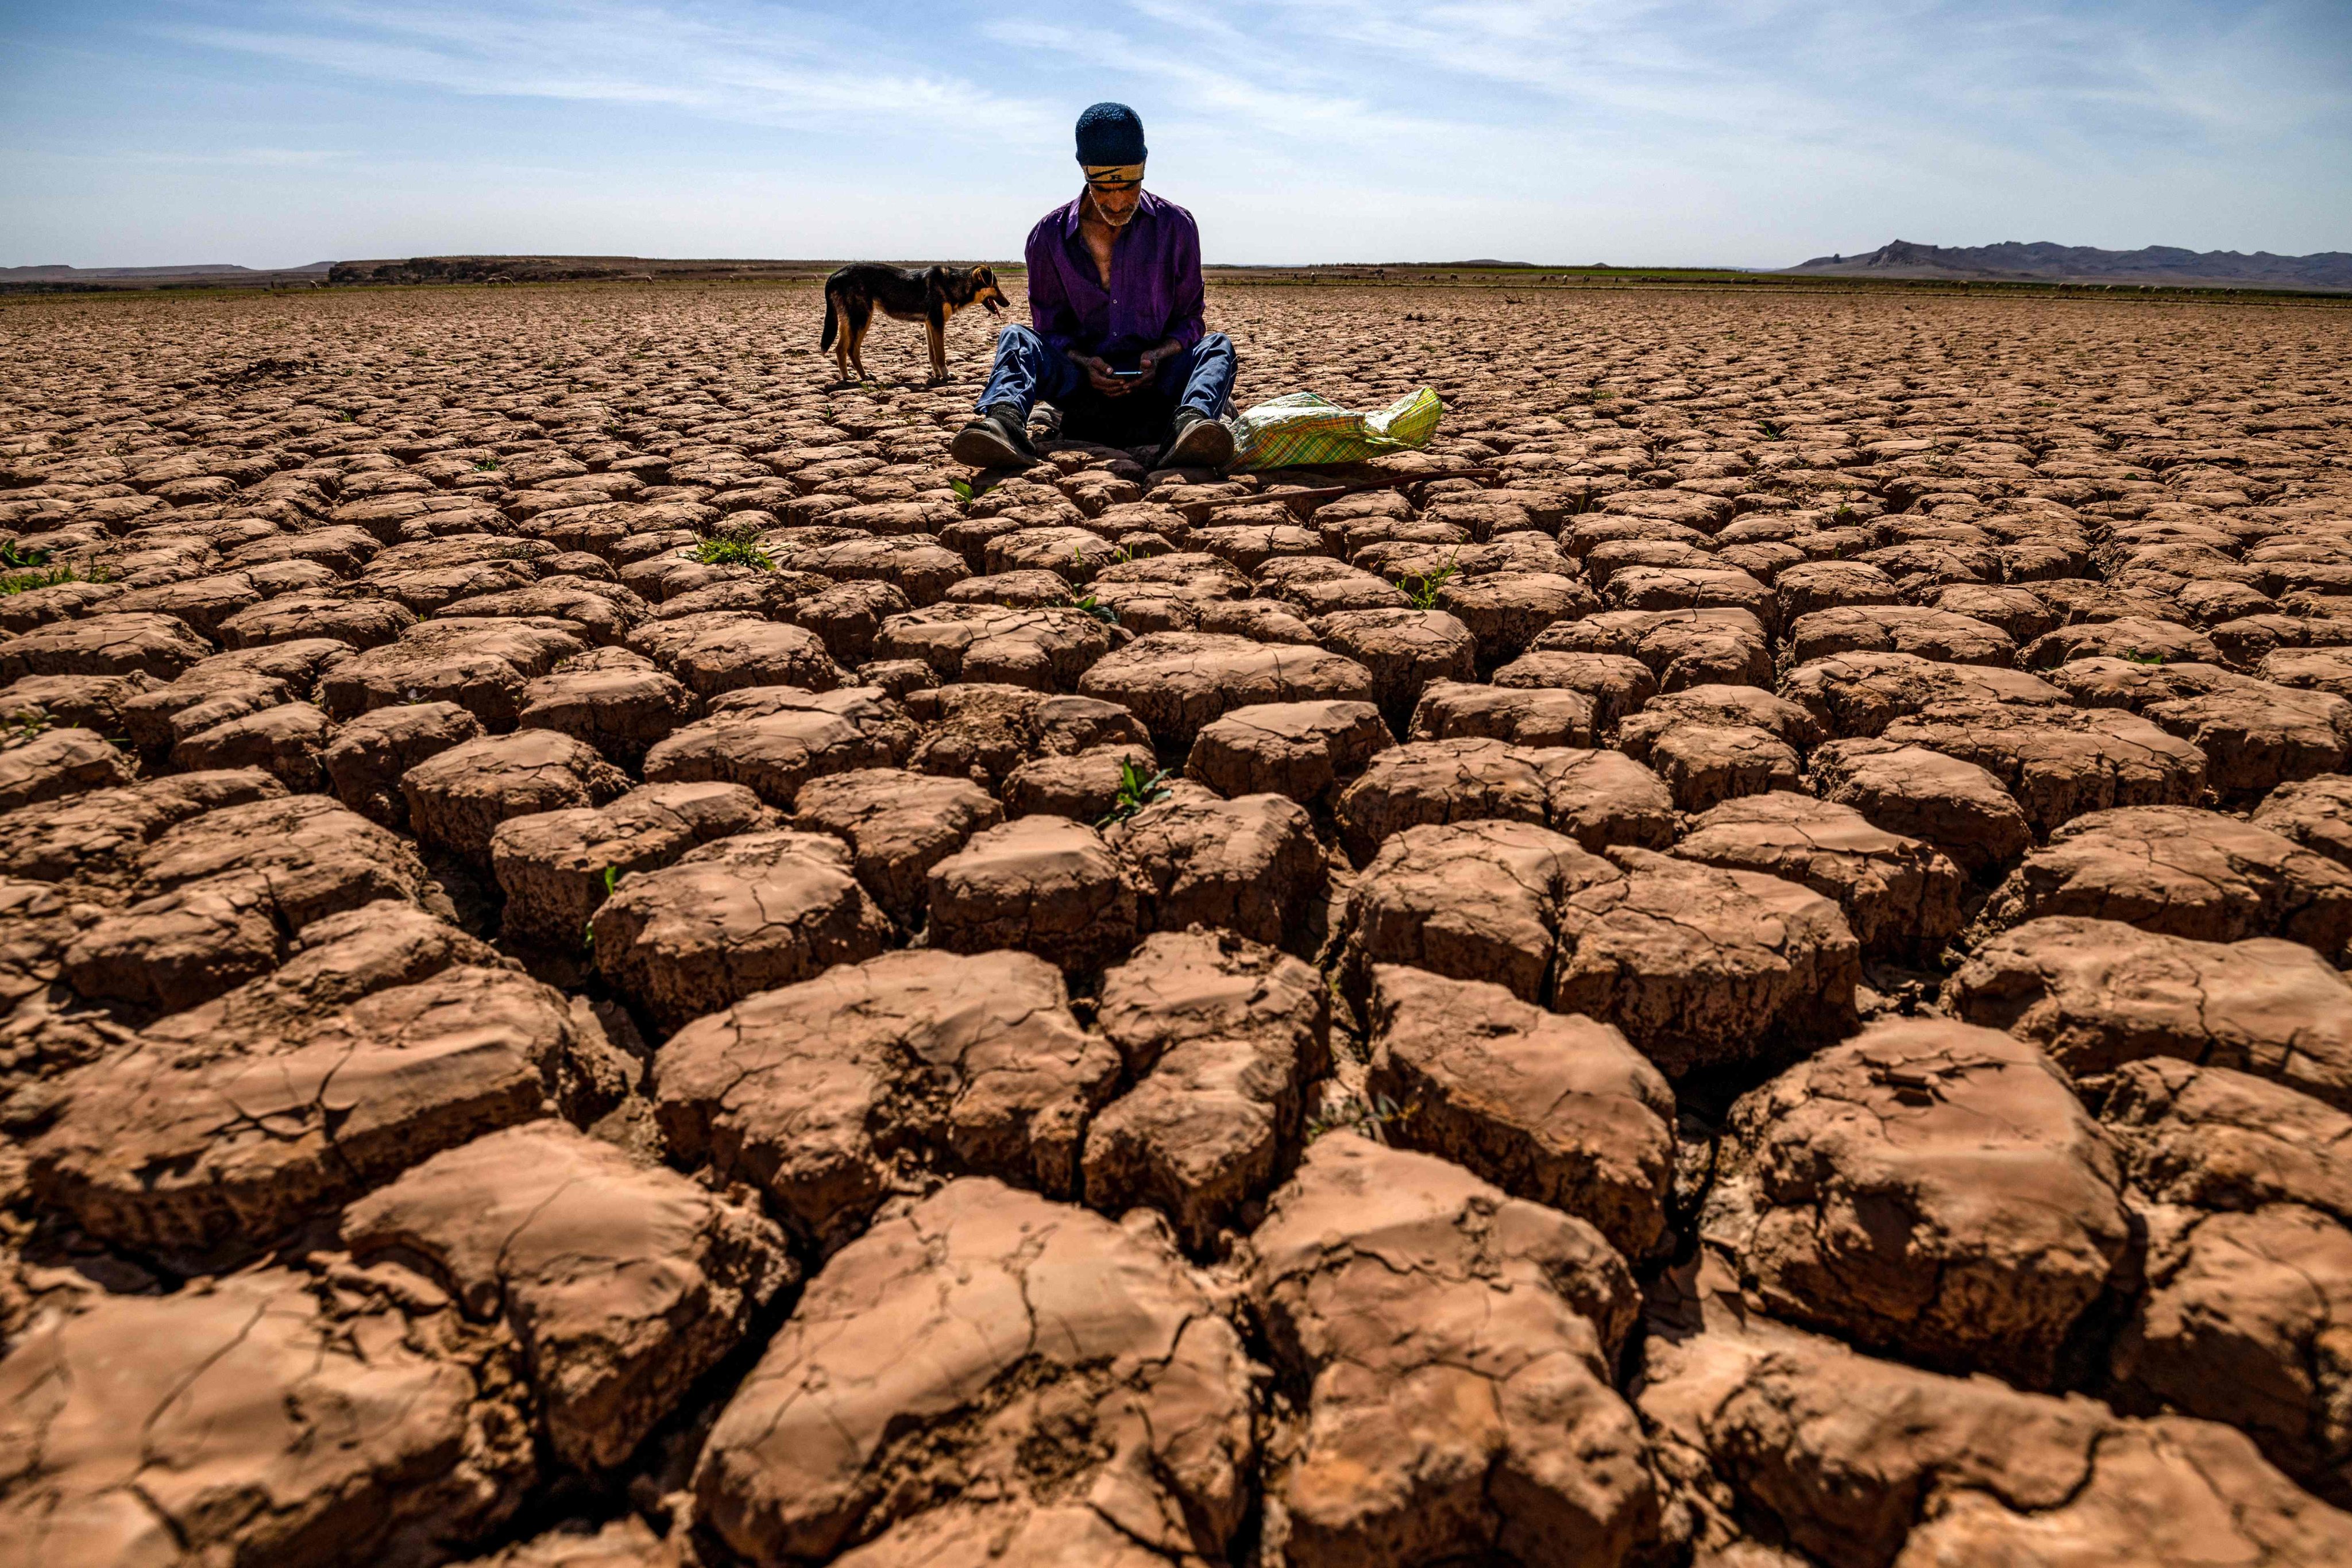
[{"x": 1127, "y": 375}]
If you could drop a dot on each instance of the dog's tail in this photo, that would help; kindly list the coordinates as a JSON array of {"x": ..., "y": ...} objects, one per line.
[{"x": 831, "y": 324}]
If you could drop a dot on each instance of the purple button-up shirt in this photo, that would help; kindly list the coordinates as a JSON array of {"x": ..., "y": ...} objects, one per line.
[{"x": 1155, "y": 283}]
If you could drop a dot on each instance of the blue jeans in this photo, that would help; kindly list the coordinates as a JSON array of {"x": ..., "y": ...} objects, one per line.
[{"x": 1028, "y": 372}]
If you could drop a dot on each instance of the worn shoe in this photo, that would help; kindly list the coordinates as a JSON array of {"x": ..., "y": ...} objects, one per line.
[
  {"x": 1197, "y": 441},
  {"x": 994, "y": 440}
]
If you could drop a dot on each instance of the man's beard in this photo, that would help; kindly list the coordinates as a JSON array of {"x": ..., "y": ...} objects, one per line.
[{"x": 1119, "y": 222}]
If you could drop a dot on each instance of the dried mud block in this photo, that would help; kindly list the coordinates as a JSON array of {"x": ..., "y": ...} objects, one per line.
[
  {"x": 301, "y": 617},
  {"x": 897, "y": 825},
  {"x": 157, "y": 645},
  {"x": 457, "y": 798},
  {"x": 1937, "y": 635},
  {"x": 481, "y": 666},
  {"x": 1858, "y": 695},
  {"x": 2060, "y": 762},
  {"x": 611, "y": 700},
  {"x": 988, "y": 1372},
  {"x": 1809, "y": 587},
  {"x": 554, "y": 866},
  {"x": 1858, "y": 1461},
  {"x": 2314, "y": 813},
  {"x": 985, "y": 733},
  {"x": 734, "y": 654},
  {"x": 368, "y": 757},
  {"x": 268, "y": 1418},
  {"x": 1085, "y": 787},
  {"x": 96, "y": 840},
  {"x": 1474, "y": 901},
  {"x": 1456, "y": 1347},
  {"x": 1616, "y": 684},
  {"x": 216, "y": 899},
  {"x": 1453, "y": 710},
  {"x": 80, "y": 701},
  {"x": 735, "y": 916},
  {"x": 882, "y": 1077},
  {"x": 2250, "y": 1267},
  {"x": 178, "y": 1144},
  {"x": 2256, "y": 736},
  {"x": 2174, "y": 871},
  {"x": 1561, "y": 1110},
  {"x": 1956, "y": 807},
  {"x": 1041, "y": 885},
  {"x": 1928, "y": 1188},
  {"x": 1250, "y": 865},
  {"x": 1597, "y": 798},
  {"x": 1506, "y": 611},
  {"x": 1603, "y": 797},
  {"x": 774, "y": 739},
  {"x": 1223, "y": 1036},
  {"x": 1714, "y": 586},
  {"x": 2127, "y": 637},
  {"x": 2097, "y": 995},
  {"x": 849, "y": 616},
  {"x": 285, "y": 741},
  {"x": 1404, "y": 650},
  {"x": 1902, "y": 897},
  {"x": 1748, "y": 706},
  {"x": 1701, "y": 966},
  {"x": 2312, "y": 670},
  {"x": 1047, "y": 649},
  {"x": 1707, "y": 764},
  {"x": 2018, "y": 611},
  {"x": 1179, "y": 682},
  {"x": 56, "y": 763},
  {"x": 1306, "y": 750},
  {"x": 919, "y": 567},
  {"x": 1681, "y": 647},
  {"x": 622, "y": 1283}
]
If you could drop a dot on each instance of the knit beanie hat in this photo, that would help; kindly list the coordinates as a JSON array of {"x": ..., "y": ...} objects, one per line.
[{"x": 1110, "y": 133}]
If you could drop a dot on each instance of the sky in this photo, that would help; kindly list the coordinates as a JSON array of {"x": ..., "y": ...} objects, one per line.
[{"x": 153, "y": 132}]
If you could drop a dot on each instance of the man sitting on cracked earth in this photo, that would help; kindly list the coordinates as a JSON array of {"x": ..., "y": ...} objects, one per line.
[{"x": 1117, "y": 344}]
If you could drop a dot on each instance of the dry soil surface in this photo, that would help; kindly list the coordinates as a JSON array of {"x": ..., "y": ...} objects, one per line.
[{"x": 607, "y": 959}]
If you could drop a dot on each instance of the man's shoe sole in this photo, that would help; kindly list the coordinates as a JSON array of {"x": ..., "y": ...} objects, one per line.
[
  {"x": 980, "y": 445},
  {"x": 1205, "y": 443}
]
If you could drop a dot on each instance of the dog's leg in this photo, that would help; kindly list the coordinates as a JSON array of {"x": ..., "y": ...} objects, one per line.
[
  {"x": 937, "y": 329},
  {"x": 857, "y": 344}
]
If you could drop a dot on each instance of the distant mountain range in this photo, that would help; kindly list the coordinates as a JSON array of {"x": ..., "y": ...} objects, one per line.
[
  {"x": 58, "y": 278},
  {"x": 2044, "y": 262}
]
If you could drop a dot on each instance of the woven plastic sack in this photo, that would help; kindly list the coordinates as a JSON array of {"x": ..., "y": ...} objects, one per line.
[{"x": 1300, "y": 429}]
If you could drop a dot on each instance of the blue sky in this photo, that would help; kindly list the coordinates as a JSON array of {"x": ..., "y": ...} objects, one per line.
[{"x": 288, "y": 131}]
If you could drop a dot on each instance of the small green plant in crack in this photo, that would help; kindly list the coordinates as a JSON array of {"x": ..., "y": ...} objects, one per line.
[
  {"x": 1098, "y": 610},
  {"x": 15, "y": 558},
  {"x": 1422, "y": 588},
  {"x": 611, "y": 880},
  {"x": 2136, "y": 657},
  {"x": 23, "y": 725},
  {"x": 733, "y": 547},
  {"x": 1368, "y": 1116},
  {"x": 1136, "y": 789},
  {"x": 962, "y": 491},
  {"x": 486, "y": 466},
  {"x": 1771, "y": 430}
]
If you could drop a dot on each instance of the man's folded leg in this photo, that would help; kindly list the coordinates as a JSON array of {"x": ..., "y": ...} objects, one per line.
[
  {"x": 1025, "y": 374},
  {"x": 1197, "y": 435}
]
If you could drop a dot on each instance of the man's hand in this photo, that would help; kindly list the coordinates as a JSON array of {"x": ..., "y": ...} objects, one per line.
[
  {"x": 1157, "y": 354},
  {"x": 1099, "y": 378}
]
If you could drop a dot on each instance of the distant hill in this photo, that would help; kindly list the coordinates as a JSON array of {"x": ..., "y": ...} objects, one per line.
[
  {"x": 2044, "y": 262},
  {"x": 57, "y": 278}
]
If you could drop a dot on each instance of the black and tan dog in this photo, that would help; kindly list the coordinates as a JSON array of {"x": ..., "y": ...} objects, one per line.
[{"x": 926, "y": 294}]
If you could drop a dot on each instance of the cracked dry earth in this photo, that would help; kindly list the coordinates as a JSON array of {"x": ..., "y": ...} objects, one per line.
[{"x": 1740, "y": 965}]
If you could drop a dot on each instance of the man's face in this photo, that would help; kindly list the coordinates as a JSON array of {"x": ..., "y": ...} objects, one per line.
[{"x": 1115, "y": 199}]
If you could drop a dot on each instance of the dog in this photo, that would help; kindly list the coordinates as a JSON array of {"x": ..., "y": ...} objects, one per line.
[{"x": 926, "y": 294}]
